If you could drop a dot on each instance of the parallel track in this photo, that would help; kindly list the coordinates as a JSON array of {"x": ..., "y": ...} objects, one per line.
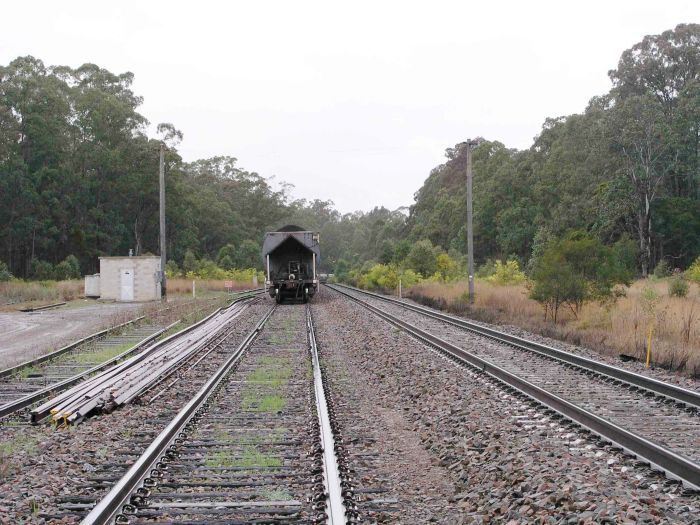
[
  {"x": 656, "y": 421},
  {"x": 253, "y": 445}
]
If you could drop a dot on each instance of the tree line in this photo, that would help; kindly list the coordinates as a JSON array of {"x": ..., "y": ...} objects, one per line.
[
  {"x": 626, "y": 168},
  {"x": 78, "y": 179}
]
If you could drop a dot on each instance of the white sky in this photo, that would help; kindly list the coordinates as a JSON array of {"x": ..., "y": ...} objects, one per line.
[{"x": 353, "y": 102}]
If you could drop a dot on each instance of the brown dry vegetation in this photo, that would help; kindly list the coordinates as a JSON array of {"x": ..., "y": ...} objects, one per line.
[
  {"x": 31, "y": 293},
  {"x": 184, "y": 286},
  {"x": 620, "y": 328},
  {"x": 20, "y": 294}
]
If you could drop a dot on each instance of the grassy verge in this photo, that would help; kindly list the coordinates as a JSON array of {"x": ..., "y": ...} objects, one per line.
[
  {"x": 620, "y": 328},
  {"x": 101, "y": 355}
]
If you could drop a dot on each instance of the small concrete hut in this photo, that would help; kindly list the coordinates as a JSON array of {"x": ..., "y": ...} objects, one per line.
[{"x": 130, "y": 278}]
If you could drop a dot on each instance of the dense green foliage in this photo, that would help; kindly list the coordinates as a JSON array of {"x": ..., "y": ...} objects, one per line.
[
  {"x": 78, "y": 177},
  {"x": 628, "y": 166},
  {"x": 576, "y": 269}
]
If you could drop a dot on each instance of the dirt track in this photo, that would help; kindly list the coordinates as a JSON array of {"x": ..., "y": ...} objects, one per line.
[{"x": 26, "y": 335}]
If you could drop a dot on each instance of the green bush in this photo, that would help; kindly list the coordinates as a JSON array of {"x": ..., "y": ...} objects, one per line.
[
  {"x": 189, "y": 263},
  {"x": 576, "y": 269},
  {"x": 386, "y": 277},
  {"x": 41, "y": 270},
  {"x": 507, "y": 274},
  {"x": 5, "y": 274},
  {"x": 487, "y": 269},
  {"x": 69, "y": 268},
  {"x": 662, "y": 269},
  {"x": 226, "y": 263},
  {"x": 172, "y": 269},
  {"x": 678, "y": 287},
  {"x": 422, "y": 258},
  {"x": 693, "y": 273},
  {"x": 62, "y": 271}
]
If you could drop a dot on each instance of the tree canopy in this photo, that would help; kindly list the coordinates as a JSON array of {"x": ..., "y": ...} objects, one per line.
[{"x": 78, "y": 177}]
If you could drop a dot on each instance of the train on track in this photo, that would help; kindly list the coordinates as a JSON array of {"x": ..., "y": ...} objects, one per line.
[{"x": 291, "y": 256}]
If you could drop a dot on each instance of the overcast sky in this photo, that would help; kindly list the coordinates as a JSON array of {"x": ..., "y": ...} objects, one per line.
[{"x": 352, "y": 102}]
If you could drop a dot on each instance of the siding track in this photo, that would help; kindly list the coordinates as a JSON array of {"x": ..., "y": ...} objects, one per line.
[{"x": 24, "y": 385}]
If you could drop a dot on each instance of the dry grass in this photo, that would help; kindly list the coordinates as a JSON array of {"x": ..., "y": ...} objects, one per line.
[
  {"x": 620, "y": 328},
  {"x": 30, "y": 293},
  {"x": 184, "y": 286}
]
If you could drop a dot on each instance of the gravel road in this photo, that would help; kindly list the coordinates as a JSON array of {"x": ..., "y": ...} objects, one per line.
[{"x": 24, "y": 335}]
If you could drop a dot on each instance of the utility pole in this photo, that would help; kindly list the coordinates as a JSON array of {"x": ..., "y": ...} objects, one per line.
[
  {"x": 470, "y": 231},
  {"x": 162, "y": 219}
]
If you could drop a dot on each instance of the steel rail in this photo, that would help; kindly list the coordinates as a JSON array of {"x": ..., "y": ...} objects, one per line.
[
  {"x": 40, "y": 308},
  {"x": 156, "y": 455},
  {"x": 33, "y": 397},
  {"x": 331, "y": 478},
  {"x": 50, "y": 407},
  {"x": 661, "y": 388},
  {"x": 47, "y": 357},
  {"x": 675, "y": 465}
]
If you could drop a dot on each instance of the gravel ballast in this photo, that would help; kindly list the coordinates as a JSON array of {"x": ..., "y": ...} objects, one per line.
[
  {"x": 505, "y": 460},
  {"x": 41, "y": 467}
]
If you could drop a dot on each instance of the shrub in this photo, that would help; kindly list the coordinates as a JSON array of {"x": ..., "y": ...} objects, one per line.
[
  {"x": 422, "y": 258},
  {"x": 226, "y": 262},
  {"x": 5, "y": 274},
  {"x": 576, "y": 269},
  {"x": 506, "y": 274},
  {"x": 189, "y": 264},
  {"x": 487, "y": 269},
  {"x": 409, "y": 278},
  {"x": 447, "y": 267},
  {"x": 229, "y": 251},
  {"x": 41, "y": 270},
  {"x": 63, "y": 271},
  {"x": 248, "y": 255},
  {"x": 693, "y": 273},
  {"x": 662, "y": 269},
  {"x": 67, "y": 269},
  {"x": 678, "y": 287},
  {"x": 172, "y": 270},
  {"x": 74, "y": 264},
  {"x": 386, "y": 277},
  {"x": 649, "y": 300}
]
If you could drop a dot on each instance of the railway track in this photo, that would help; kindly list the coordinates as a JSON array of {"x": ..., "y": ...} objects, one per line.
[
  {"x": 102, "y": 462},
  {"x": 655, "y": 421},
  {"x": 36, "y": 381},
  {"x": 24, "y": 385},
  {"x": 254, "y": 445}
]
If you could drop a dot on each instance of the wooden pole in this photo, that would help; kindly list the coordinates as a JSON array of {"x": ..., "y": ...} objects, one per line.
[
  {"x": 161, "y": 178},
  {"x": 470, "y": 233}
]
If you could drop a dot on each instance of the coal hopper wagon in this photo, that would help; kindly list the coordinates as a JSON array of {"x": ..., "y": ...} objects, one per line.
[{"x": 291, "y": 256}]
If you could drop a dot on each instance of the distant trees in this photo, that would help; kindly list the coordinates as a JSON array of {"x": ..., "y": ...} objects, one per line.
[
  {"x": 78, "y": 176},
  {"x": 628, "y": 166}
]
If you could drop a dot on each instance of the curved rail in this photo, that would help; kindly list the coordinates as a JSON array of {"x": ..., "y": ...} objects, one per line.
[
  {"x": 661, "y": 388},
  {"x": 673, "y": 464}
]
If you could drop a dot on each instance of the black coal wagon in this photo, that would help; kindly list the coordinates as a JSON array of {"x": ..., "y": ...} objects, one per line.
[{"x": 291, "y": 256}]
